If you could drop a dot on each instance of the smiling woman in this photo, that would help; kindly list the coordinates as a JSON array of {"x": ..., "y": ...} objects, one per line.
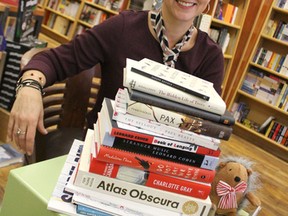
[{"x": 167, "y": 35}]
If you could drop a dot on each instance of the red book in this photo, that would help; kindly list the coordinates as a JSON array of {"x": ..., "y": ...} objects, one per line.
[
  {"x": 153, "y": 180},
  {"x": 138, "y": 161}
]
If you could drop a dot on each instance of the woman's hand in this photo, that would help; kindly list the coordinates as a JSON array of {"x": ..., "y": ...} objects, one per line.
[{"x": 26, "y": 115}]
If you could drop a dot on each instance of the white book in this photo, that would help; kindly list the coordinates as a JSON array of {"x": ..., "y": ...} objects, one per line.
[
  {"x": 61, "y": 200},
  {"x": 137, "y": 193},
  {"x": 133, "y": 80}
]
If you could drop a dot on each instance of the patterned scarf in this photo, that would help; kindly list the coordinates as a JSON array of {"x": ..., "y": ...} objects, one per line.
[{"x": 169, "y": 55}]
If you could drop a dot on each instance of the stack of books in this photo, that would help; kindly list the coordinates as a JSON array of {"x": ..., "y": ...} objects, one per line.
[{"x": 154, "y": 148}]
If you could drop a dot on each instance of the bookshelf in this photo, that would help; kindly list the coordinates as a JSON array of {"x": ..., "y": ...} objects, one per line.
[
  {"x": 66, "y": 18},
  {"x": 263, "y": 85},
  {"x": 231, "y": 23}
]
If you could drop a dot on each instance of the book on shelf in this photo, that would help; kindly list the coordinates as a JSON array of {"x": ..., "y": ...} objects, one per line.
[
  {"x": 61, "y": 25},
  {"x": 157, "y": 128},
  {"x": 265, "y": 124},
  {"x": 226, "y": 118},
  {"x": 25, "y": 23},
  {"x": 179, "y": 120},
  {"x": 149, "y": 196},
  {"x": 133, "y": 80},
  {"x": 9, "y": 155}
]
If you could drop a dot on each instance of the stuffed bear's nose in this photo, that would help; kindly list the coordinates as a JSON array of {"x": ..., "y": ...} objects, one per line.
[{"x": 237, "y": 179}]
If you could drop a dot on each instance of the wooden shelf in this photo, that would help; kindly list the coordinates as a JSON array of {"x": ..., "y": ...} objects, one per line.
[{"x": 260, "y": 109}]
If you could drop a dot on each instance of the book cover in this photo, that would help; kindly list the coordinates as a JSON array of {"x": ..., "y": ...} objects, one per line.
[
  {"x": 158, "y": 128},
  {"x": 171, "y": 77},
  {"x": 132, "y": 81},
  {"x": 226, "y": 119},
  {"x": 9, "y": 155},
  {"x": 25, "y": 22},
  {"x": 179, "y": 120},
  {"x": 142, "y": 194}
]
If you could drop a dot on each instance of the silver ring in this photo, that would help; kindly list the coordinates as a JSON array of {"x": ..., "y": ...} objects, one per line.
[{"x": 20, "y": 132}]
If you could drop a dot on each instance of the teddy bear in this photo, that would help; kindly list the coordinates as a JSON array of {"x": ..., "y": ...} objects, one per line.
[{"x": 234, "y": 183}]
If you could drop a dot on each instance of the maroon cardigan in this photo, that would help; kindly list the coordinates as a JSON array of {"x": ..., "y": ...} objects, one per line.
[{"x": 110, "y": 43}]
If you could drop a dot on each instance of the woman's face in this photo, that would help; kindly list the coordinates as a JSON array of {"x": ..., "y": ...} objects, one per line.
[{"x": 184, "y": 10}]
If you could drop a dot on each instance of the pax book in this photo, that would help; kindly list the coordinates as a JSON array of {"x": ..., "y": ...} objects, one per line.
[{"x": 133, "y": 80}]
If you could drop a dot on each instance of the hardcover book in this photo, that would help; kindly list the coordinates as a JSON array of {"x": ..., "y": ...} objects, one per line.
[
  {"x": 133, "y": 80},
  {"x": 226, "y": 119},
  {"x": 179, "y": 120},
  {"x": 141, "y": 194},
  {"x": 172, "y": 77},
  {"x": 158, "y": 128}
]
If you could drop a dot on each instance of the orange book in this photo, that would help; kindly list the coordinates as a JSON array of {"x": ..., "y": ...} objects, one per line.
[{"x": 228, "y": 12}]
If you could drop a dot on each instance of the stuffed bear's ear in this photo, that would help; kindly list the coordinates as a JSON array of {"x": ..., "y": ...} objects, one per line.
[
  {"x": 222, "y": 164},
  {"x": 249, "y": 172}
]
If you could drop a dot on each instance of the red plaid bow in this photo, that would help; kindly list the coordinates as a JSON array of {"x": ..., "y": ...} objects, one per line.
[{"x": 228, "y": 194}]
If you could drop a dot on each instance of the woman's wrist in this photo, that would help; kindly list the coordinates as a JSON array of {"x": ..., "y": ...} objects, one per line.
[{"x": 31, "y": 79}]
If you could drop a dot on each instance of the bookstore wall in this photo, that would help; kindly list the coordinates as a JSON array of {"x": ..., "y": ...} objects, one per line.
[{"x": 259, "y": 100}]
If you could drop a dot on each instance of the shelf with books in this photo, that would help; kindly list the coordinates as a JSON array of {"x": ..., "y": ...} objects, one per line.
[
  {"x": 227, "y": 17},
  {"x": 263, "y": 88},
  {"x": 70, "y": 13}
]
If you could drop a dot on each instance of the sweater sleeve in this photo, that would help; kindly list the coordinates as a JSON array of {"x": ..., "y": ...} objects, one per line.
[{"x": 81, "y": 53}]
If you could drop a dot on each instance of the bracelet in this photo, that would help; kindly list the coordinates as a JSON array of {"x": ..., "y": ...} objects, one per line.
[{"x": 29, "y": 83}]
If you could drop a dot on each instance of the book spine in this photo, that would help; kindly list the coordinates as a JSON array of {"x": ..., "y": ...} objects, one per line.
[
  {"x": 150, "y": 86},
  {"x": 141, "y": 194},
  {"x": 173, "y": 85},
  {"x": 164, "y": 116},
  {"x": 152, "y": 180},
  {"x": 159, "y": 141},
  {"x": 165, "y": 130},
  {"x": 173, "y": 133},
  {"x": 113, "y": 205},
  {"x": 125, "y": 158},
  {"x": 168, "y": 154},
  {"x": 84, "y": 210},
  {"x": 182, "y": 108}
]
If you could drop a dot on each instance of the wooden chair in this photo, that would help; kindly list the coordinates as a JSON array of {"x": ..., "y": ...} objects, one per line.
[{"x": 65, "y": 107}]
